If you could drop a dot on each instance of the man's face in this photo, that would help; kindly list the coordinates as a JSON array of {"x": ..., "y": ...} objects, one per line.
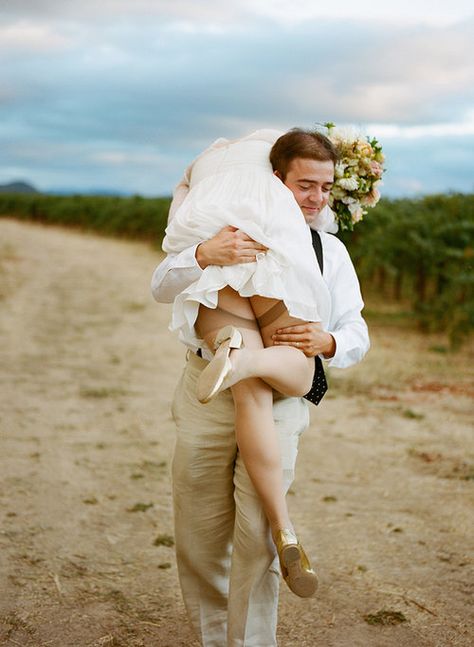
[{"x": 310, "y": 181}]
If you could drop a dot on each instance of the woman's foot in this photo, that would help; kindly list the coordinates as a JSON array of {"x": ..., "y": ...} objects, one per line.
[
  {"x": 295, "y": 566},
  {"x": 213, "y": 378}
]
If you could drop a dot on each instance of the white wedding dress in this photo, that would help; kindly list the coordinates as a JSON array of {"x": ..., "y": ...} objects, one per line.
[{"x": 233, "y": 184}]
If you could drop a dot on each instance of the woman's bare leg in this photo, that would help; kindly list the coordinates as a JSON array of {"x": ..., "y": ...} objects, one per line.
[
  {"x": 285, "y": 368},
  {"x": 253, "y": 400}
]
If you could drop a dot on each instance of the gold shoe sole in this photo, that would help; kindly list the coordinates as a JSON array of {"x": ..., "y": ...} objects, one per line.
[{"x": 301, "y": 581}]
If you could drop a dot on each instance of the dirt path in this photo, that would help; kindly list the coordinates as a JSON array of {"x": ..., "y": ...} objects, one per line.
[{"x": 383, "y": 495}]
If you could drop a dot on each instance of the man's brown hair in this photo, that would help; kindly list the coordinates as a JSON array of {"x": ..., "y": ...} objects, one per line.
[{"x": 296, "y": 143}]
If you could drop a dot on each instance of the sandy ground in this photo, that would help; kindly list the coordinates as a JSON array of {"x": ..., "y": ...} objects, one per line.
[{"x": 383, "y": 495}]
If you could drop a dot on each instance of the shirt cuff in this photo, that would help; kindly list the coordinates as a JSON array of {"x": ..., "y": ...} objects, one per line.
[
  {"x": 337, "y": 360},
  {"x": 350, "y": 349},
  {"x": 187, "y": 259}
]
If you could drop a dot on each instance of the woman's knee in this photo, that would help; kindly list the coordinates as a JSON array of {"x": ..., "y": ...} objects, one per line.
[
  {"x": 252, "y": 392},
  {"x": 307, "y": 373}
]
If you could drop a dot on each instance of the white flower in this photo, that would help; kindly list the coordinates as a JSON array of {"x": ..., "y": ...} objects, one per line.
[
  {"x": 337, "y": 192},
  {"x": 372, "y": 198},
  {"x": 354, "y": 207},
  {"x": 348, "y": 183},
  {"x": 347, "y": 135},
  {"x": 346, "y": 199},
  {"x": 356, "y": 212},
  {"x": 357, "y": 173}
]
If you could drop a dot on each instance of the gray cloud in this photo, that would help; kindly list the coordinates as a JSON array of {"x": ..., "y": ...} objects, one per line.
[
  {"x": 218, "y": 12},
  {"x": 131, "y": 102},
  {"x": 187, "y": 11}
]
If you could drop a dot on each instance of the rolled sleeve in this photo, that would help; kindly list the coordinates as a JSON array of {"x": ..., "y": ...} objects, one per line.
[
  {"x": 352, "y": 343},
  {"x": 174, "y": 275}
]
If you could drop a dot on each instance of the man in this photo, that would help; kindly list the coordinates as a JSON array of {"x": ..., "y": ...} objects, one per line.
[{"x": 226, "y": 559}]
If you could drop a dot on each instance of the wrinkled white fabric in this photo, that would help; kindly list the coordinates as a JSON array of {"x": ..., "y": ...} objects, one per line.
[
  {"x": 325, "y": 221},
  {"x": 232, "y": 183}
]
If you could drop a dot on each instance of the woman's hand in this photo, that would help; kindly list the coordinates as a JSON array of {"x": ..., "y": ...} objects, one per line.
[
  {"x": 229, "y": 246},
  {"x": 309, "y": 338}
]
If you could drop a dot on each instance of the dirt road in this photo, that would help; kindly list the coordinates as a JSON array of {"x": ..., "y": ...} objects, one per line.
[{"x": 383, "y": 495}]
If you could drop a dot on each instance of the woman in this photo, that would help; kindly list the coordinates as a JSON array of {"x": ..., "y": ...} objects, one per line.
[{"x": 237, "y": 309}]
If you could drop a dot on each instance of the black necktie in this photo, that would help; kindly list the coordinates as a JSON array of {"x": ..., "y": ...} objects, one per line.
[{"x": 320, "y": 385}]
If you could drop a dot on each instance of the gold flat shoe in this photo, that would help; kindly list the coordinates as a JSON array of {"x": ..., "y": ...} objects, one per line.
[
  {"x": 211, "y": 380},
  {"x": 295, "y": 566}
]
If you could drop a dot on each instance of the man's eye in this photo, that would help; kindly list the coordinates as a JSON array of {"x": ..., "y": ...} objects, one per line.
[{"x": 305, "y": 187}]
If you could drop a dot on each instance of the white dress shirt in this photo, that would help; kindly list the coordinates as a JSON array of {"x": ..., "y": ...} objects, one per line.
[{"x": 346, "y": 324}]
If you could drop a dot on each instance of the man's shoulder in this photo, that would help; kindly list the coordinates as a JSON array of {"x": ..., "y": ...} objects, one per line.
[{"x": 332, "y": 243}]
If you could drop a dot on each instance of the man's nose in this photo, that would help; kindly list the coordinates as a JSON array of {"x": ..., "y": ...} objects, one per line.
[{"x": 316, "y": 195}]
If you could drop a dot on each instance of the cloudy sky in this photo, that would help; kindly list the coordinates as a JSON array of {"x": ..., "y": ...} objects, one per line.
[{"x": 122, "y": 94}]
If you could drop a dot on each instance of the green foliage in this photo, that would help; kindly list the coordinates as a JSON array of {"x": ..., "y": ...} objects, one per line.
[
  {"x": 421, "y": 251},
  {"x": 135, "y": 217}
]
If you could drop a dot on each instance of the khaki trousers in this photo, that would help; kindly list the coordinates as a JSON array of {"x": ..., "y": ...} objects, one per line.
[{"x": 227, "y": 563}]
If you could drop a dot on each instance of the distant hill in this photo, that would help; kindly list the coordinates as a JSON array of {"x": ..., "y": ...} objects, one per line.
[
  {"x": 90, "y": 192},
  {"x": 18, "y": 187}
]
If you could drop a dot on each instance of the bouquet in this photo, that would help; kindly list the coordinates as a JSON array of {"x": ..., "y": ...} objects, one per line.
[{"x": 358, "y": 173}]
